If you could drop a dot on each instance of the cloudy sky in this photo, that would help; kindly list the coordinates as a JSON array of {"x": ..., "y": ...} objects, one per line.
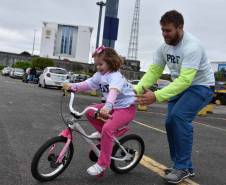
[{"x": 203, "y": 18}]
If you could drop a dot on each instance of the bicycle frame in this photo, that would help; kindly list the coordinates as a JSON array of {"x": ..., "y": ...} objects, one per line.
[{"x": 73, "y": 125}]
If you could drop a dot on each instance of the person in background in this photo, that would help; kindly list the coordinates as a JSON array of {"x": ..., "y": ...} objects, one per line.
[{"x": 32, "y": 74}]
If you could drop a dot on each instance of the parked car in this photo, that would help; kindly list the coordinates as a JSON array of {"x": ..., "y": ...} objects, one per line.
[
  {"x": 6, "y": 71},
  {"x": 134, "y": 82},
  {"x": 154, "y": 87},
  {"x": 78, "y": 78},
  {"x": 16, "y": 73},
  {"x": 162, "y": 83},
  {"x": 53, "y": 76}
]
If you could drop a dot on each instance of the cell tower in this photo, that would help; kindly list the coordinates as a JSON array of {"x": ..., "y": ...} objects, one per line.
[{"x": 133, "y": 43}]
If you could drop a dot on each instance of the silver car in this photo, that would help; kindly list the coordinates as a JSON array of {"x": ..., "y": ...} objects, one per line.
[{"x": 16, "y": 73}]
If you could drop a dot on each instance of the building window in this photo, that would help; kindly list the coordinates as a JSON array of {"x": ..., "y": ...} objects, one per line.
[{"x": 66, "y": 40}]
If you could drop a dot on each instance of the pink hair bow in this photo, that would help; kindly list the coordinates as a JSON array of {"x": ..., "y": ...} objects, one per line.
[{"x": 100, "y": 49}]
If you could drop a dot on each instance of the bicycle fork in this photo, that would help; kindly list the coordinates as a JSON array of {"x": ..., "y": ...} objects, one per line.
[{"x": 67, "y": 133}]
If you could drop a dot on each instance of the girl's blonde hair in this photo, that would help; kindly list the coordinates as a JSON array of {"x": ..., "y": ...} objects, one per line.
[{"x": 110, "y": 56}]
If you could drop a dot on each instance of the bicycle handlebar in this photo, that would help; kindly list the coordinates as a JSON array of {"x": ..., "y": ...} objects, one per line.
[{"x": 76, "y": 113}]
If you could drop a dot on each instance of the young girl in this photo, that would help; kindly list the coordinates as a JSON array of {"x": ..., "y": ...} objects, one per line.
[{"x": 119, "y": 108}]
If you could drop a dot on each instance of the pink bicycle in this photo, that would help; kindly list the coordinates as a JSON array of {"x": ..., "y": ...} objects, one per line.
[{"x": 54, "y": 156}]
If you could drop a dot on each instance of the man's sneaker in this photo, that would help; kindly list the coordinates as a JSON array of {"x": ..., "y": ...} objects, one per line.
[
  {"x": 95, "y": 170},
  {"x": 176, "y": 176},
  {"x": 95, "y": 135},
  {"x": 167, "y": 170},
  {"x": 191, "y": 171}
]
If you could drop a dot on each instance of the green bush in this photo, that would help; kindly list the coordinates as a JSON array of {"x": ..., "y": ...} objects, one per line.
[
  {"x": 22, "y": 64},
  {"x": 1, "y": 67},
  {"x": 42, "y": 63},
  {"x": 220, "y": 75}
]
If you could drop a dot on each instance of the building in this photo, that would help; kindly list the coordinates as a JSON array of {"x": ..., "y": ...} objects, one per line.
[
  {"x": 131, "y": 65},
  {"x": 218, "y": 65},
  {"x": 60, "y": 41}
]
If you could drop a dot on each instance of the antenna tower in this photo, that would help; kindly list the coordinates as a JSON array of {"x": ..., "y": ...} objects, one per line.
[{"x": 133, "y": 43}]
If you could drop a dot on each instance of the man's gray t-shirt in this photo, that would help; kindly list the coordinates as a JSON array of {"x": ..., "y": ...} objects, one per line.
[{"x": 189, "y": 54}]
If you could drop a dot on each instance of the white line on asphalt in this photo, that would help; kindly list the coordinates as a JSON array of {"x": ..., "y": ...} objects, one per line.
[
  {"x": 207, "y": 117},
  {"x": 155, "y": 166},
  {"x": 153, "y": 128},
  {"x": 211, "y": 117},
  {"x": 206, "y": 125},
  {"x": 210, "y": 126}
]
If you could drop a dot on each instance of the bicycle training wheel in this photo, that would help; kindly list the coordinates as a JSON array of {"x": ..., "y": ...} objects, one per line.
[
  {"x": 134, "y": 145},
  {"x": 44, "y": 166}
]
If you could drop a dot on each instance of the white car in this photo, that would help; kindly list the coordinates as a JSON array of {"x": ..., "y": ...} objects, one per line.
[
  {"x": 134, "y": 82},
  {"x": 6, "y": 70},
  {"x": 16, "y": 73},
  {"x": 162, "y": 83},
  {"x": 53, "y": 76}
]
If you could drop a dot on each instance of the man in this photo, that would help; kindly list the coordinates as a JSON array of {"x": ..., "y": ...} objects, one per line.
[
  {"x": 186, "y": 95},
  {"x": 32, "y": 74}
]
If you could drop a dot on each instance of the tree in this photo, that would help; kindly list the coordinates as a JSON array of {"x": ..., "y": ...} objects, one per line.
[
  {"x": 1, "y": 66},
  {"x": 42, "y": 63},
  {"x": 220, "y": 75},
  {"x": 25, "y": 53},
  {"x": 22, "y": 64}
]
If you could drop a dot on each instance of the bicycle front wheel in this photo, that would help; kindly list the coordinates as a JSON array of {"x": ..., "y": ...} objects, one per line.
[
  {"x": 134, "y": 145},
  {"x": 44, "y": 166}
]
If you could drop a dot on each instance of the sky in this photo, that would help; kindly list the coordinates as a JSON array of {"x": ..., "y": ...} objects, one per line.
[{"x": 205, "y": 19}]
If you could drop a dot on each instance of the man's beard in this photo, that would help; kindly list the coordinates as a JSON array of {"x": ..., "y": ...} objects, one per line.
[{"x": 174, "y": 41}]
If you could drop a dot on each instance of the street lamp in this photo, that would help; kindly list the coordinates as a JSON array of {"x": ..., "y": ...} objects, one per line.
[
  {"x": 33, "y": 42},
  {"x": 101, "y": 4}
]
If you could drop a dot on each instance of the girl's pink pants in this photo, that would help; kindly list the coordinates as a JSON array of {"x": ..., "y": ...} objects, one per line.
[{"x": 120, "y": 118}]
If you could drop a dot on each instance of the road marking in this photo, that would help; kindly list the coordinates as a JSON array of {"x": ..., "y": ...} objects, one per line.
[
  {"x": 211, "y": 117},
  {"x": 210, "y": 126},
  {"x": 153, "y": 128},
  {"x": 154, "y": 165},
  {"x": 159, "y": 169},
  {"x": 207, "y": 117},
  {"x": 206, "y": 125}
]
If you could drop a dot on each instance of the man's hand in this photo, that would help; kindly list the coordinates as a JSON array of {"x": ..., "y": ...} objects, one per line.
[{"x": 147, "y": 98}]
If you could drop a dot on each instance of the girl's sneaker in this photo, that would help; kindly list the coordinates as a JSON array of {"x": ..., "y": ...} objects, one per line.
[
  {"x": 95, "y": 135},
  {"x": 95, "y": 170}
]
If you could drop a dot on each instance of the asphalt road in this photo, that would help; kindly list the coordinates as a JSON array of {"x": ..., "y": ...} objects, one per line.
[{"x": 30, "y": 115}]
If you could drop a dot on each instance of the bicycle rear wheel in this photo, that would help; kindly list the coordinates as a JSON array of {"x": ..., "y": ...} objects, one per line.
[
  {"x": 134, "y": 145},
  {"x": 44, "y": 166}
]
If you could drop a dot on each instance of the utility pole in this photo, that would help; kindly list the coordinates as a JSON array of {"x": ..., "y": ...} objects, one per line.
[
  {"x": 33, "y": 42},
  {"x": 101, "y": 4},
  {"x": 111, "y": 23}
]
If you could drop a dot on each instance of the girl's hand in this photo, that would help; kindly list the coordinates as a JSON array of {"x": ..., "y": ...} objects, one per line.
[
  {"x": 105, "y": 113},
  {"x": 67, "y": 86}
]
